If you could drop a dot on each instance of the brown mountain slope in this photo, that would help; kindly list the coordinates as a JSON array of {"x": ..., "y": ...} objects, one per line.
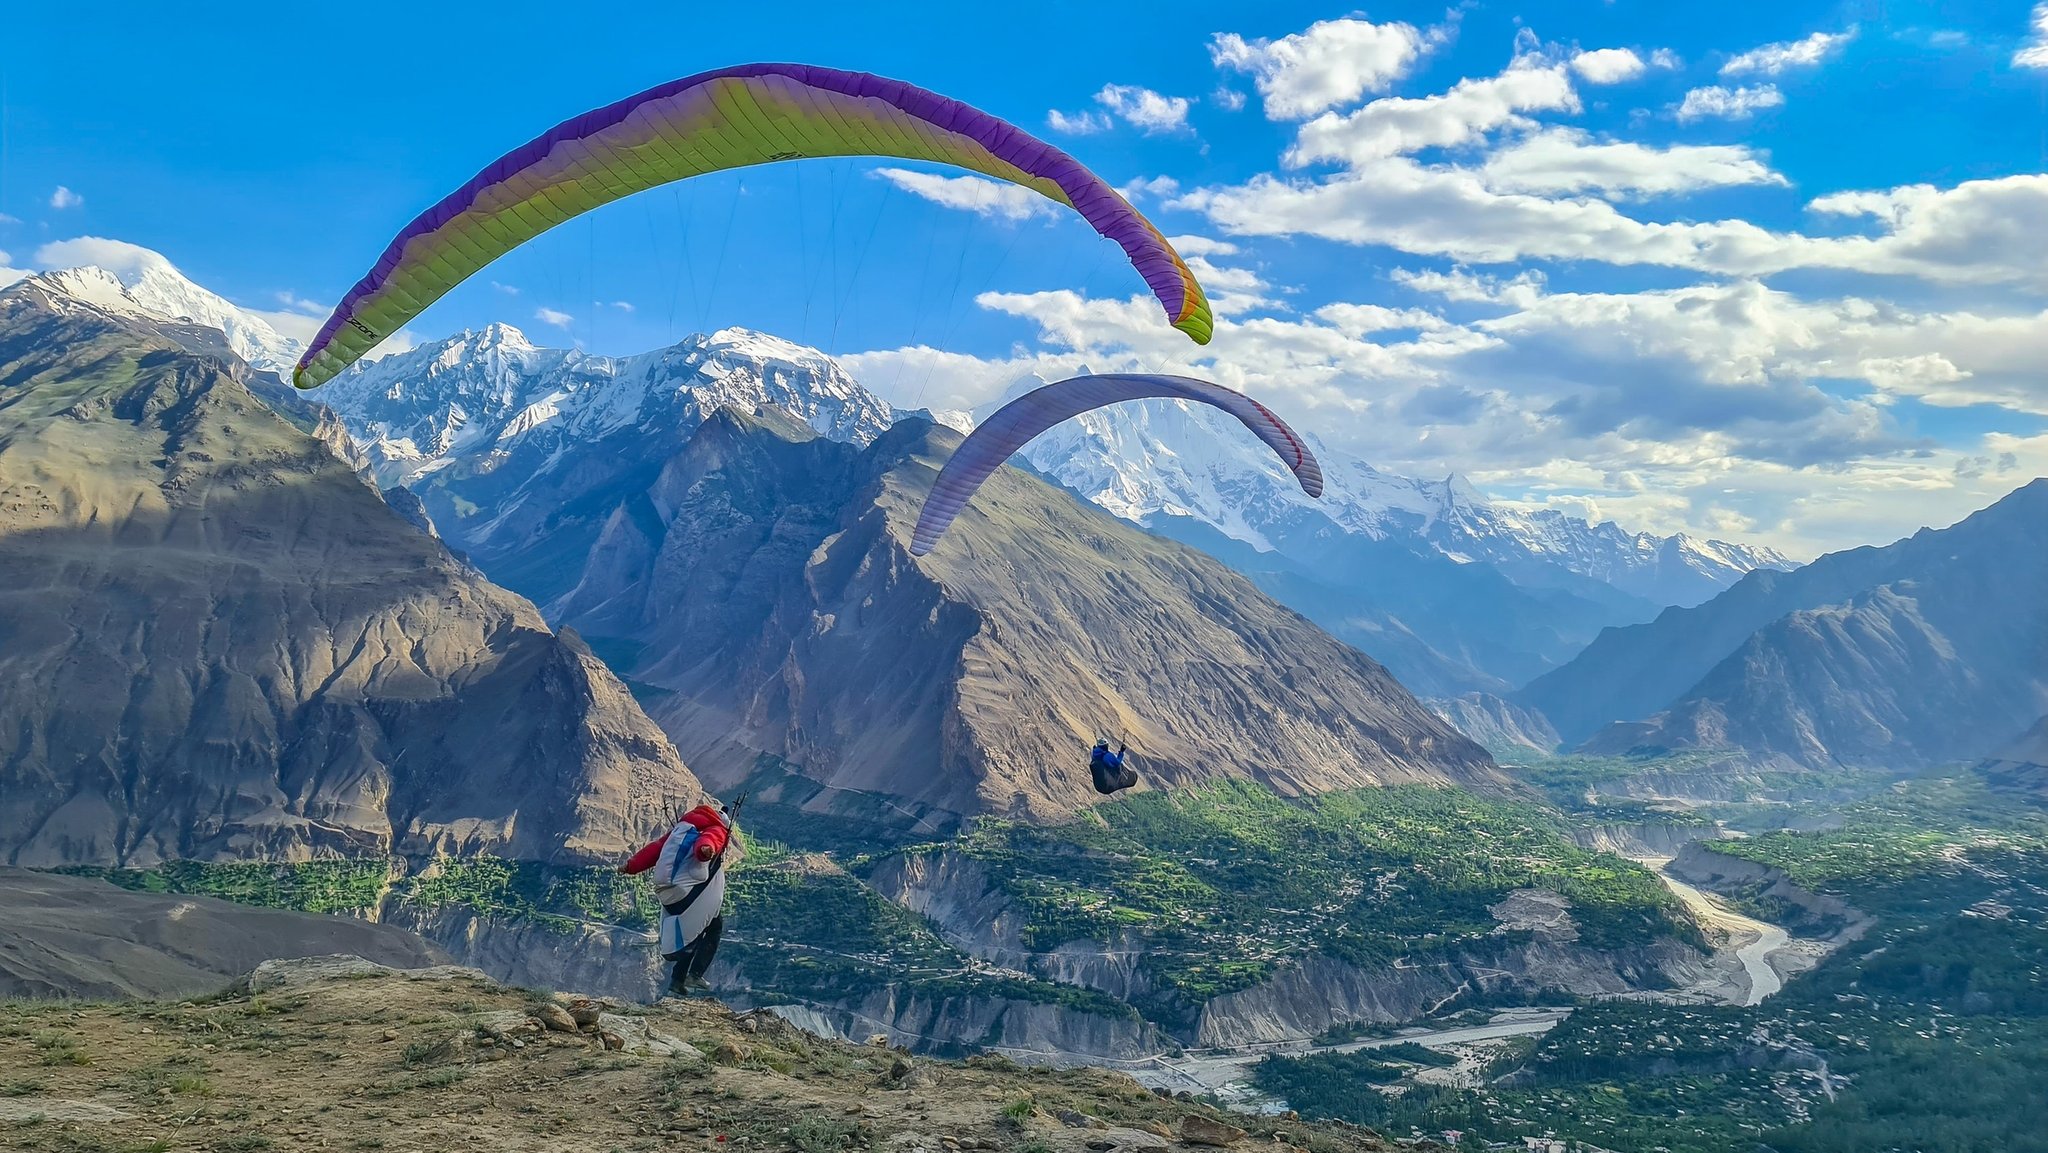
[
  {"x": 339, "y": 1054},
  {"x": 1942, "y": 663},
  {"x": 764, "y": 583},
  {"x": 79, "y": 937},
  {"x": 215, "y": 640}
]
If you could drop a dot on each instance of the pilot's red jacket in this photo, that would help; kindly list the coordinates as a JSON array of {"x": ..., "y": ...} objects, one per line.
[{"x": 711, "y": 839}]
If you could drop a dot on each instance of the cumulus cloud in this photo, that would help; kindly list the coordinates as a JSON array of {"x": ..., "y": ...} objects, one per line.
[
  {"x": 1202, "y": 246},
  {"x": 64, "y": 198},
  {"x": 1778, "y": 59},
  {"x": 116, "y": 256},
  {"x": 979, "y": 195},
  {"x": 299, "y": 326},
  {"x": 8, "y": 275},
  {"x": 1651, "y": 406},
  {"x": 1567, "y": 160},
  {"x": 553, "y": 316},
  {"x": 1397, "y": 125},
  {"x": 1078, "y": 123},
  {"x": 1720, "y": 103},
  {"x": 2034, "y": 53},
  {"x": 1333, "y": 62},
  {"x": 1465, "y": 286},
  {"x": 1666, "y": 59},
  {"x": 1732, "y": 406},
  {"x": 1144, "y": 109},
  {"x": 1608, "y": 65},
  {"x": 1228, "y": 99},
  {"x": 1159, "y": 187},
  {"x": 1141, "y": 108},
  {"x": 1978, "y": 232}
]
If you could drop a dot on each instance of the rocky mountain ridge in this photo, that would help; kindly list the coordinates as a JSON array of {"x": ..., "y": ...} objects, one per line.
[
  {"x": 216, "y": 640},
  {"x": 1930, "y": 650},
  {"x": 761, "y": 587}
]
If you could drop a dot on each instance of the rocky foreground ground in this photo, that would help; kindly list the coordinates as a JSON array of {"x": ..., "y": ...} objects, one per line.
[{"x": 340, "y": 1053}]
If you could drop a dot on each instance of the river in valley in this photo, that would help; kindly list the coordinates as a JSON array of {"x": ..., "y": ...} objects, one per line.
[{"x": 1742, "y": 974}]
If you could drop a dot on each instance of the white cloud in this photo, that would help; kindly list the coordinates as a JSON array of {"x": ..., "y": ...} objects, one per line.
[
  {"x": 1567, "y": 160},
  {"x": 1728, "y": 103},
  {"x": 116, "y": 256},
  {"x": 553, "y": 316},
  {"x": 10, "y": 275},
  {"x": 64, "y": 198},
  {"x": 1141, "y": 108},
  {"x": 1777, "y": 59},
  {"x": 1202, "y": 246},
  {"x": 1608, "y": 65},
  {"x": 1397, "y": 125},
  {"x": 1979, "y": 232},
  {"x": 621, "y": 305},
  {"x": 1333, "y": 62},
  {"x": 1228, "y": 99},
  {"x": 507, "y": 289},
  {"x": 2034, "y": 53},
  {"x": 6, "y": 219},
  {"x": 1078, "y": 124},
  {"x": 297, "y": 325},
  {"x": 298, "y": 303},
  {"x": 1714, "y": 408},
  {"x": 920, "y": 376},
  {"x": 1160, "y": 187},
  {"x": 1666, "y": 59},
  {"x": 1145, "y": 109},
  {"x": 976, "y": 194},
  {"x": 1462, "y": 285}
]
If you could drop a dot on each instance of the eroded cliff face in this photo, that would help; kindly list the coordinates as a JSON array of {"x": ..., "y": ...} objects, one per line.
[
  {"x": 1643, "y": 839},
  {"x": 957, "y": 895},
  {"x": 1817, "y": 913},
  {"x": 603, "y": 960},
  {"x": 762, "y": 585},
  {"x": 217, "y": 642},
  {"x": 1536, "y": 948},
  {"x": 922, "y": 1022},
  {"x": 1320, "y": 993}
]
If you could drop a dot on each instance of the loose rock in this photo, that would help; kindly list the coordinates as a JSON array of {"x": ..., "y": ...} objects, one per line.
[
  {"x": 1199, "y": 1130},
  {"x": 555, "y": 1018}
]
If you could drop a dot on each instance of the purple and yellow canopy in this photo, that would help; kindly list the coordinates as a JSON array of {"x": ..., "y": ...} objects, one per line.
[
  {"x": 1017, "y": 423},
  {"x": 730, "y": 118}
]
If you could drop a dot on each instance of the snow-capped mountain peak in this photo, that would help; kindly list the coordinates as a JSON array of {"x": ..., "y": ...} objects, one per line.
[
  {"x": 128, "y": 279},
  {"x": 483, "y": 395},
  {"x": 1157, "y": 458}
]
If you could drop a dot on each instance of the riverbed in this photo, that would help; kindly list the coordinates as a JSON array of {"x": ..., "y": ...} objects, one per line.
[
  {"x": 1743, "y": 973},
  {"x": 1756, "y": 943}
]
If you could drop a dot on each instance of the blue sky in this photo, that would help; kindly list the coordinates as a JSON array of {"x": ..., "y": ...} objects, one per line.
[{"x": 1765, "y": 270}]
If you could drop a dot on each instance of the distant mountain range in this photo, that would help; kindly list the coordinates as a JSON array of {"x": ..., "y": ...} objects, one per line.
[
  {"x": 755, "y": 585},
  {"x": 1155, "y": 459},
  {"x": 1931, "y": 649},
  {"x": 606, "y": 489},
  {"x": 1455, "y": 594},
  {"x": 216, "y": 640}
]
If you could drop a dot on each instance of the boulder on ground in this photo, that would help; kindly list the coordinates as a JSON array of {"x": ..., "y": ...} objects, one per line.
[{"x": 1200, "y": 1130}]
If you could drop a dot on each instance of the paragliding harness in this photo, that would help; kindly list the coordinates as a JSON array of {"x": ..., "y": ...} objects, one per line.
[
  {"x": 1108, "y": 769},
  {"x": 695, "y": 958}
]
